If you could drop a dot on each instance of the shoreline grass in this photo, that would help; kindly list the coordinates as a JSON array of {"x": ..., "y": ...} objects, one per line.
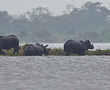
[{"x": 56, "y": 52}]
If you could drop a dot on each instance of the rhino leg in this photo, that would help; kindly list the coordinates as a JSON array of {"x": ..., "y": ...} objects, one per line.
[
  {"x": 82, "y": 52},
  {"x": 16, "y": 50}
]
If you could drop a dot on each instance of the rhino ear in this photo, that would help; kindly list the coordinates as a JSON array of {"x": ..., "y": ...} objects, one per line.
[{"x": 41, "y": 45}]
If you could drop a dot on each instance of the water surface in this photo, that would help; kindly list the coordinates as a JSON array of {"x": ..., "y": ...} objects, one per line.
[
  {"x": 55, "y": 73},
  {"x": 101, "y": 46}
]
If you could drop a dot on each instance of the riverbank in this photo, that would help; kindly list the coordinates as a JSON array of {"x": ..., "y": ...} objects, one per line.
[{"x": 58, "y": 52}]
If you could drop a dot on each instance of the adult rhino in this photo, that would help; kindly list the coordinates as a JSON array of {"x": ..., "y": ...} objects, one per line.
[
  {"x": 77, "y": 47},
  {"x": 8, "y": 42},
  {"x": 35, "y": 50}
]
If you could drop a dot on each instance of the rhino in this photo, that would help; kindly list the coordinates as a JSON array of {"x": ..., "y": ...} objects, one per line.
[
  {"x": 8, "y": 42},
  {"x": 77, "y": 47},
  {"x": 35, "y": 50}
]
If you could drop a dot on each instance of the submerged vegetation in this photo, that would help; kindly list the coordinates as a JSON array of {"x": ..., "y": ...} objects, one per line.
[
  {"x": 99, "y": 52},
  {"x": 56, "y": 52},
  {"x": 10, "y": 52}
]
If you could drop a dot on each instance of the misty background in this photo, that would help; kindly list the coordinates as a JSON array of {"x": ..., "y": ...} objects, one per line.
[{"x": 90, "y": 21}]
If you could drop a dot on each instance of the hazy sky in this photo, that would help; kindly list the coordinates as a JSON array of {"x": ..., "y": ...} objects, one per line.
[{"x": 55, "y": 6}]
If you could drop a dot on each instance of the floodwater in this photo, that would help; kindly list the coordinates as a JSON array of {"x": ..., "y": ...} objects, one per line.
[
  {"x": 101, "y": 46},
  {"x": 55, "y": 73}
]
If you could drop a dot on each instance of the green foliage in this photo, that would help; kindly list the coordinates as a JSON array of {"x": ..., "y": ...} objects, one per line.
[
  {"x": 20, "y": 52},
  {"x": 57, "y": 52},
  {"x": 10, "y": 52},
  {"x": 91, "y": 21},
  {"x": 99, "y": 52}
]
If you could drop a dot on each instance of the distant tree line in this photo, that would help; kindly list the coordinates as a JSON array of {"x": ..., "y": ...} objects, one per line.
[{"x": 91, "y": 21}]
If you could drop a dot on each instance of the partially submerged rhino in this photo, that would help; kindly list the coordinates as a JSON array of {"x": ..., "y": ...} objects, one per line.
[
  {"x": 35, "y": 50},
  {"x": 8, "y": 42},
  {"x": 77, "y": 47}
]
